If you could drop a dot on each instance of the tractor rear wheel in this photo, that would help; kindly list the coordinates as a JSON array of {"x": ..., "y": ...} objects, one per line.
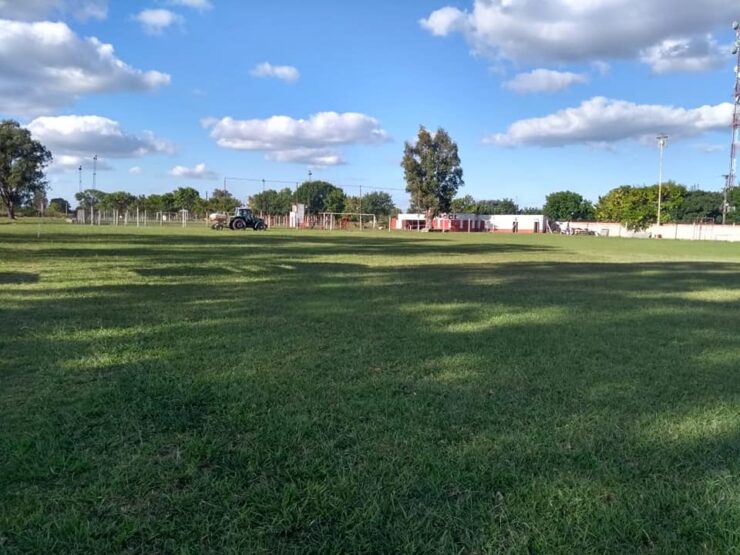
[{"x": 239, "y": 224}]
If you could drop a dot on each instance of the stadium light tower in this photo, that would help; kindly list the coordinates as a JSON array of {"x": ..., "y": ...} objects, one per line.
[
  {"x": 662, "y": 141},
  {"x": 732, "y": 176}
]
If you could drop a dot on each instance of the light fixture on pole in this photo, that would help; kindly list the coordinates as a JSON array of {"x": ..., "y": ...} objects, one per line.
[
  {"x": 662, "y": 142},
  {"x": 79, "y": 178}
]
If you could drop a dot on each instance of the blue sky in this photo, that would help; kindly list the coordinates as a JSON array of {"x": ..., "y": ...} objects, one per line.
[{"x": 540, "y": 96}]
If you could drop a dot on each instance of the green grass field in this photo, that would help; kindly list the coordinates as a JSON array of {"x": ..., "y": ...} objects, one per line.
[{"x": 192, "y": 391}]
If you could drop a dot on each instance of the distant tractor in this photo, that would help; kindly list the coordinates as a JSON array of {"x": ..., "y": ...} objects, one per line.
[{"x": 242, "y": 218}]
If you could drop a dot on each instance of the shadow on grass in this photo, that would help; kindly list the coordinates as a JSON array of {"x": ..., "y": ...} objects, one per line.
[
  {"x": 542, "y": 407},
  {"x": 11, "y": 278}
]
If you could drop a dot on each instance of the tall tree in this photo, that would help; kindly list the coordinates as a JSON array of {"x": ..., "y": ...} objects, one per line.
[
  {"x": 59, "y": 205},
  {"x": 119, "y": 200},
  {"x": 186, "y": 198},
  {"x": 22, "y": 163},
  {"x": 464, "y": 205},
  {"x": 700, "y": 205},
  {"x": 378, "y": 203},
  {"x": 91, "y": 198},
  {"x": 637, "y": 207},
  {"x": 496, "y": 207},
  {"x": 570, "y": 206},
  {"x": 335, "y": 201},
  {"x": 433, "y": 172},
  {"x": 222, "y": 201},
  {"x": 314, "y": 195}
]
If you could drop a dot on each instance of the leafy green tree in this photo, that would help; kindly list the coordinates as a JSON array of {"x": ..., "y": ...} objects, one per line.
[
  {"x": 530, "y": 210},
  {"x": 185, "y": 198},
  {"x": 700, "y": 205},
  {"x": 22, "y": 163},
  {"x": 119, "y": 200},
  {"x": 314, "y": 195},
  {"x": 222, "y": 201},
  {"x": 637, "y": 207},
  {"x": 59, "y": 206},
  {"x": 91, "y": 198},
  {"x": 378, "y": 203},
  {"x": 497, "y": 207},
  {"x": 433, "y": 172},
  {"x": 335, "y": 201},
  {"x": 570, "y": 206},
  {"x": 464, "y": 205}
]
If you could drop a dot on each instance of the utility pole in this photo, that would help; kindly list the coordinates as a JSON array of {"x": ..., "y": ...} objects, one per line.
[
  {"x": 79, "y": 178},
  {"x": 732, "y": 176},
  {"x": 95, "y": 171},
  {"x": 662, "y": 141}
]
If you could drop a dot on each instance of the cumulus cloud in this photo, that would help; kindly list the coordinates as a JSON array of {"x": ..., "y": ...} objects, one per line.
[
  {"x": 311, "y": 141},
  {"x": 200, "y": 5},
  {"x": 66, "y": 162},
  {"x": 688, "y": 55},
  {"x": 84, "y": 136},
  {"x": 200, "y": 171},
  {"x": 34, "y": 10},
  {"x": 603, "y": 121},
  {"x": 544, "y": 80},
  {"x": 46, "y": 66},
  {"x": 136, "y": 170},
  {"x": 154, "y": 22},
  {"x": 560, "y": 31},
  {"x": 266, "y": 70}
]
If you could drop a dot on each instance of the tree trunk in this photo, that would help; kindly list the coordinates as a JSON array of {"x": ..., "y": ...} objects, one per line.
[
  {"x": 11, "y": 210},
  {"x": 429, "y": 218}
]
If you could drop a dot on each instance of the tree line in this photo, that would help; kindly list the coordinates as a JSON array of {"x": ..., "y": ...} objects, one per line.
[
  {"x": 636, "y": 207},
  {"x": 432, "y": 170},
  {"x": 322, "y": 197}
]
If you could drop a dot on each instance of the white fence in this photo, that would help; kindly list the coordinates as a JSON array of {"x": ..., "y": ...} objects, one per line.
[
  {"x": 686, "y": 232},
  {"x": 145, "y": 218}
]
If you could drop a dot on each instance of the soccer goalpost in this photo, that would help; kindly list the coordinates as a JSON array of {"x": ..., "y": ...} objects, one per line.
[{"x": 341, "y": 220}]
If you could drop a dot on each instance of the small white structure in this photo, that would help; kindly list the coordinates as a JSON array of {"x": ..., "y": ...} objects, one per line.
[
  {"x": 513, "y": 223},
  {"x": 297, "y": 216}
]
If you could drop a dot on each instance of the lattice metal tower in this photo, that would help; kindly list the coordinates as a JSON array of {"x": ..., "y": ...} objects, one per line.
[{"x": 732, "y": 176}]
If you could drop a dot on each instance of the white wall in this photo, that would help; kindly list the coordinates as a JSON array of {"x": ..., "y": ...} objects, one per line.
[{"x": 695, "y": 232}]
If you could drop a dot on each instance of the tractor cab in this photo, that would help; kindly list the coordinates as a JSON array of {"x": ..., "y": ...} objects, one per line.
[
  {"x": 245, "y": 213},
  {"x": 244, "y": 218}
]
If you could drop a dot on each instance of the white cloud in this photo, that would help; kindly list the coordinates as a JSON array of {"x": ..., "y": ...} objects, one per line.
[
  {"x": 200, "y": 171},
  {"x": 200, "y": 5},
  {"x": 690, "y": 55},
  {"x": 34, "y": 10},
  {"x": 711, "y": 149},
  {"x": 544, "y": 80},
  {"x": 444, "y": 21},
  {"x": 154, "y": 22},
  {"x": 85, "y": 136},
  {"x": 46, "y": 66},
  {"x": 265, "y": 70},
  {"x": 66, "y": 162},
  {"x": 559, "y": 31},
  {"x": 307, "y": 141},
  {"x": 136, "y": 170},
  {"x": 605, "y": 121}
]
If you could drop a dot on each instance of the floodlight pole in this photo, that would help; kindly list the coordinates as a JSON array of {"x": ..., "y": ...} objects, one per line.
[
  {"x": 662, "y": 141},
  {"x": 732, "y": 176},
  {"x": 79, "y": 178}
]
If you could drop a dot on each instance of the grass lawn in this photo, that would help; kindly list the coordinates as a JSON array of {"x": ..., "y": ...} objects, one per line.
[{"x": 192, "y": 391}]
